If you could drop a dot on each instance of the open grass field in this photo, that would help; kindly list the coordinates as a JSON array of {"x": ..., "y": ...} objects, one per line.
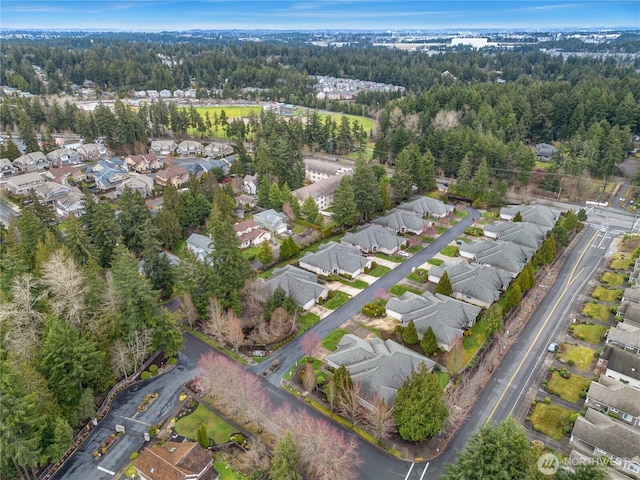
[
  {"x": 579, "y": 355},
  {"x": 549, "y": 419},
  {"x": 589, "y": 333},
  {"x": 597, "y": 311},
  {"x": 604, "y": 294},
  {"x": 330, "y": 342},
  {"x": 399, "y": 289},
  {"x": 339, "y": 299},
  {"x": 567, "y": 388},
  {"x": 217, "y": 429}
]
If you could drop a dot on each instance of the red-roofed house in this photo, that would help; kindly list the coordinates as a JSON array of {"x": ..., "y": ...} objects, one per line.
[
  {"x": 175, "y": 176},
  {"x": 176, "y": 461}
]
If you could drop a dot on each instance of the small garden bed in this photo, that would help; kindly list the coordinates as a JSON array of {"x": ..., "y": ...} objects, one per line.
[
  {"x": 604, "y": 294},
  {"x": 379, "y": 271},
  {"x": 597, "y": 311},
  {"x": 147, "y": 401},
  {"x": 567, "y": 388},
  {"x": 576, "y": 355},
  {"x": 106, "y": 445},
  {"x": 593, "y": 334},
  {"x": 550, "y": 419}
]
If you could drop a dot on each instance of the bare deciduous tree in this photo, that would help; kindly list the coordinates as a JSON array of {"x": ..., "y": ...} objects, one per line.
[
  {"x": 379, "y": 418},
  {"x": 235, "y": 335},
  {"x": 255, "y": 295},
  {"x": 309, "y": 378},
  {"x": 446, "y": 120},
  {"x": 348, "y": 402},
  {"x": 309, "y": 343},
  {"x": 455, "y": 360},
  {"x": 188, "y": 310},
  {"x": 66, "y": 286},
  {"x": 139, "y": 344},
  {"x": 216, "y": 323},
  {"x": 121, "y": 358}
]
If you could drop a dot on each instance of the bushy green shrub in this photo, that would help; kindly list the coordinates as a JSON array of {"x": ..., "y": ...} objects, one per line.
[
  {"x": 133, "y": 456},
  {"x": 146, "y": 375},
  {"x": 153, "y": 368},
  {"x": 172, "y": 361},
  {"x": 374, "y": 309}
]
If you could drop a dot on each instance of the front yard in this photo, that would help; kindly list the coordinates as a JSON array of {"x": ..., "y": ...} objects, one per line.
[
  {"x": 609, "y": 295},
  {"x": 550, "y": 419},
  {"x": 567, "y": 388},
  {"x": 597, "y": 311},
  {"x": 576, "y": 355},
  {"x": 612, "y": 279},
  {"x": 379, "y": 271},
  {"x": 399, "y": 289},
  {"x": 217, "y": 429},
  {"x": 592, "y": 334},
  {"x": 330, "y": 342},
  {"x": 339, "y": 298}
]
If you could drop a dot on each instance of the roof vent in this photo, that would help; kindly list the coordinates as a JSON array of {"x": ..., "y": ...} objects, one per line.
[{"x": 172, "y": 450}]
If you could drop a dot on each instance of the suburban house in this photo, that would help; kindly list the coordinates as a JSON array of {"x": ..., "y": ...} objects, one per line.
[
  {"x": 321, "y": 191},
  {"x": 373, "y": 239},
  {"x": 176, "y": 461},
  {"x": 246, "y": 201},
  {"x": 217, "y": 149},
  {"x": 200, "y": 245},
  {"x": 72, "y": 203},
  {"x": 403, "y": 221},
  {"x": 202, "y": 166},
  {"x": 148, "y": 162},
  {"x": 62, "y": 174},
  {"x": 91, "y": 151},
  {"x": 175, "y": 176},
  {"x": 448, "y": 317},
  {"x": 480, "y": 285},
  {"x": 301, "y": 285},
  {"x": 6, "y": 167},
  {"x": 31, "y": 162},
  {"x": 379, "y": 366},
  {"x": 545, "y": 217},
  {"x": 621, "y": 365},
  {"x": 625, "y": 335},
  {"x": 335, "y": 258},
  {"x": 273, "y": 221},
  {"x": 250, "y": 183},
  {"x": 599, "y": 435},
  {"x": 631, "y": 295},
  {"x": 611, "y": 396},
  {"x": 48, "y": 191},
  {"x": 163, "y": 147},
  {"x": 316, "y": 170},
  {"x": 189, "y": 147},
  {"x": 250, "y": 234},
  {"x": 21, "y": 184},
  {"x": 630, "y": 313},
  {"x": 578, "y": 458},
  {"x": 506, "y": 256},
  {"x": 527, "y": 235},
  {"x": 544, "y": 151},
  {"x": 108, "y": 173},
  {"x": 63, "y": 156},
  {"x": 427, "y": 207},
  {"x": 136, "y": 183},
  {"x": 633, "y": 277}
]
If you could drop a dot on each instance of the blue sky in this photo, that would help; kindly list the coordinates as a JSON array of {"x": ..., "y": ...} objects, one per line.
[{"x": 153, "y": 15}]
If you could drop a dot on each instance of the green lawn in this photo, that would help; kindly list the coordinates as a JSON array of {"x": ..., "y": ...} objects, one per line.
[
  {"x": 461, "y": 213},
  {"x": 444, "y": 378},
  {"x": 620, "y": 262},
  {"x": 399, "y": 289},
  {"x": 597, "y": 311},
  {"x": 440, "y": 230},
  {"x": 218, "y": 429},
  {"x": 266, "y": 274},
  {"x": 567, "y": 388},
  {"x": 418, "y": 276},
  {"x": 361, "y": 284},
  {"x": 613, "y": 279},
  {"x": 543, "y": 165},
  {"x": 581, "y": 356},
  {"x": 306, "y": 321},
  {"x": 366, "y": 122},
  {"x": 435, "y": 261},
  {"x": 450, "y": 251},
  {"x": 589, "y": 333},
  {"x": 491, "y": 215},
  {"x": 379, "y": 271},
  {"x": 463, "y": 239},
  {"x": 414, "y": 249},
  {"x": 604, "y": 294},
  {"x": 473, "y": 341},
  {"x": 338, "y": 299},
  {"x": 427, "y": 239},
  {"x": 227, "y": 472},
  {"x": 391, "y": 258},
  {"x": 549, "y": 419},
  {"x": 330, "y": 342}
]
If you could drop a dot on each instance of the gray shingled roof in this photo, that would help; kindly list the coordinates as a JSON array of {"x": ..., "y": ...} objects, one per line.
[
  {"x": 623, "y": 362},
  {"x": 626, "y": 334},
  {"x": 505, "y": 255},
  {"x": 524, "y": 234},
  {"x": 445, "y": 315},
  {"x": 335, "y": 255},
  {"x": 325, "y": 187},
  {"x": 427, "y": 207},
  {"x": 538, "y": 214},
  {"x": 380, "y": 366},
  {"x": 612, "y": 436},
  {"x": 632, "y": 294},
  {"x": 200, "y": 245},
  {"x": 321, "y": 166},
  {"x": 374, "y": 235},
  {"x": 399, "y": 220},
  {"x": 303, "y": 286},
  {"x": 613, "y": 393},
  {"x": 479, "y": 281},
  {"x": 632, "y": 314}
]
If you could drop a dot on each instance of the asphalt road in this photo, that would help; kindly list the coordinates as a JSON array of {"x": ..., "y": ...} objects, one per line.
[
  {"x": 6, "y": 212},
  {"x": 292, "y": 352}
]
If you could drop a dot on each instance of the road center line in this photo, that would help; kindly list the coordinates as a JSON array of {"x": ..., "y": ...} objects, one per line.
[{"x": 535, "y": 340}]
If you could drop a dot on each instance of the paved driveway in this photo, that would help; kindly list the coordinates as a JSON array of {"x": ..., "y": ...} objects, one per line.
[{"x": 124, "y": 411}]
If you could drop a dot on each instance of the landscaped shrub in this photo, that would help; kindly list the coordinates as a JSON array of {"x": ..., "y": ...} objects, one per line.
[
  {"x": 146, "y": 375},
  {"x": 133, "y": 456},
  {"x": 172, "y": 361},
  {"x": 153, "y": 368},
  {"x": 374, "y": 309},
  {"x": 547, "y": 400}
]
